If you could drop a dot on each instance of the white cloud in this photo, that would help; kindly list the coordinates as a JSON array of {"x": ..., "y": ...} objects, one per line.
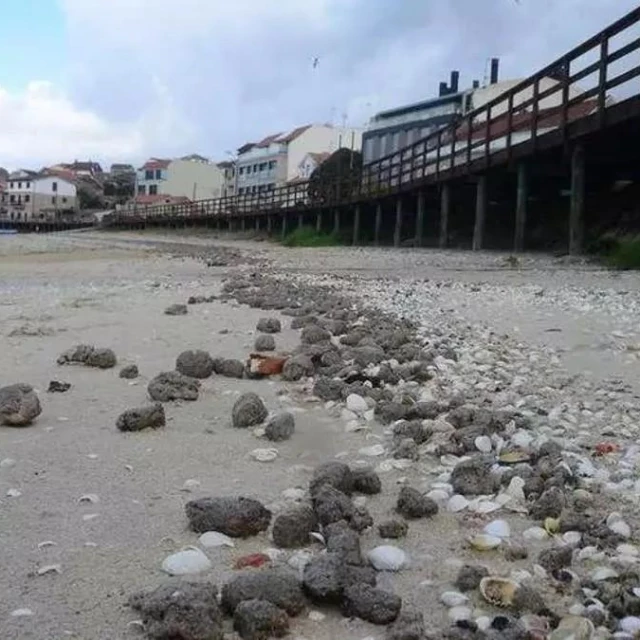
[{"x": 42, "y": 126}]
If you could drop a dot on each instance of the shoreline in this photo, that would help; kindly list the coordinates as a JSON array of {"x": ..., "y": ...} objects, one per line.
[{"x": 118, "y": 299}]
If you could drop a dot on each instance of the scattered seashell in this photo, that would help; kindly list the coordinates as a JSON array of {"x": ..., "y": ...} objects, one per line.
[
  {"x": 498, "y": 591},
  {"x": 573, "y": 628},
  {"x": 89, "y": 497},
  {"x": 212, "y": 539},
  {"x": 357, "y": 404},
  {"x": 21, "y": 613},
  {"x": 572, "y": 537},
  {"x": 484, "y": 542},
  {"x": 90, "y": 516},
  {"x": 92, "y": 456},
  {"x": 316, "y": 616},
  {"x": 46, "y": 543},
  {"x": 188, "y": 561},
  {"x": 514, "y": 457},
  {"x": 458, "y": 614},
  {"x": 438, "y": 495},
  {"x": 485, "y": 506},
  {"x": 49, "y": 568},
  {"x": 617, "y": 524},
  {"x": 264, "y": 455},
  {"x": 387, "y": 558},
  {"x": 535, "y": 533},
  {"x": 552, "y": 525},
  {"x": 627, "y": 550},
  {"x": 294, "y": 494},
  {"x": 483, "y": 622},
  {"x": 5, "y": 463},
  {"x": 630, "y": 624},
  {"x": 483, "y": 444},
  {"x": 453, "y": 599},
  {"x": 457, "y": 503},
  {"x": 13, "y": 493},
  {"x": 190, "y": 485},
  {"x": 603, "y": 573},
  {"x": 498, "y": 529},
  {"x": 259, "y": 432},
  {"x": 372, "y": 451},
  {"x": 318, "y": 536}
]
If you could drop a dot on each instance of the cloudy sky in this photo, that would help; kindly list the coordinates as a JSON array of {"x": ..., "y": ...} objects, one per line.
[{"x": 120, "y": 80}]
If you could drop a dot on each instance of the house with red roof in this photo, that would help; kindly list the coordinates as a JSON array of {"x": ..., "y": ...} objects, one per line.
[{"x": 278, "y": 158}]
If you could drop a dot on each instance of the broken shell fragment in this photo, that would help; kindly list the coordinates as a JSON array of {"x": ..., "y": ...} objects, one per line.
[
  {"x": 484, "y": 542},
  {"x": 498, "y": 591}
]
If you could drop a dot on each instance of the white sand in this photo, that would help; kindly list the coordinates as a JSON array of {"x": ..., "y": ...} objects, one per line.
[{"x": 105, "y": 291}]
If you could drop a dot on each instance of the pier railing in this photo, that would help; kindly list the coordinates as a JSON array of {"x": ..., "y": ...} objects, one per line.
[{"x": 540, "y": 111}]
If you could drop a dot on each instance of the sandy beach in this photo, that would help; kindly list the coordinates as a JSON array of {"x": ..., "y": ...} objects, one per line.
[{"x": 111, "y": 290}]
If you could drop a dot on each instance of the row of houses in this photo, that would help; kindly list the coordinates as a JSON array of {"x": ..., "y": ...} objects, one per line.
[{"x": 257, "y": 168}]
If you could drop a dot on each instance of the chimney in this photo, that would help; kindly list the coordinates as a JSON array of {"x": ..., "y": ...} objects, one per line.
[
  {"x": 476, "y": 84},
  {"x": 495, "y": 65},
  {"x": 443, "y": 89},
  {"x": 455, "y": 79}
]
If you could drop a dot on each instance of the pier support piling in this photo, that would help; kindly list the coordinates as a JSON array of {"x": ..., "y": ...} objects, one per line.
[
  {"x": 378, "y": 223},
  {"x": 521, "y": 208},
  {"x": 445, "y": 207},
  {"x": 481, "y": 212},
  {"x": 420, "y": 219},
  {"x": 356, "y": 225},
  {"x": 397, "y": 232},
  {"x": 576, "y": 214}
]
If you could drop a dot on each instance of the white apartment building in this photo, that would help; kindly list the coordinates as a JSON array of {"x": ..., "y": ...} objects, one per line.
[
  {"x": 32, "y": 196},
  {"x": 278, "y": 158},
  {"x": 192, "y": 177}
]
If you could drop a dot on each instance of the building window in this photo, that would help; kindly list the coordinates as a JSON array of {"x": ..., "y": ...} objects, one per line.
[
  {"x": 11, "y": 185},
  {"x": 158, "y": 174},
  {"x": 19, "y": 185},
  {"x": 64, "y": 199},
  {"x": 241, "y": 170},
  {"x": 255, "y": 168},
  {"x": 53, "y": 199},
  {"x": 28, "y": 185},
  {"x": 240, "y": 190},
  {"x": 253, "y": 189},
  {"x": 272, "y": 164},
  {"x": 261, "y": 188},
  {"x": 148, "y": 174},
  {"x": 54, "y": 186},
  {"x": 248, "y": 169},
  {"x": 263, "y": 166},
  {"x": 27, "y": 198},
  {"x": 141, "y": 189},
  {"x": 19, "y": 199},
  {"x": 153, "y": 189},
  {"x": 12, "y": 198},
  {"x": 271, "y": 187}
]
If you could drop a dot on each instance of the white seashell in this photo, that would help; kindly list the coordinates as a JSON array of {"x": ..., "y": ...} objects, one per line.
[
  {"x": 572, "y": 537},
  {"x": 357, "y": 404},
  {"x": 539, "y": 572},
  {"x": 299, "y": 560},
  {"x": 188, "y": 561},
  {"x": 573, "y": 628},
  {"x": 457, "y": 614},
  {"x": 259, "y": 432},
  {"x": 483, "y": 622},
  {"x": 316, "y": 616},
  {"x": 21, "y": 613},
  {"x": 387, "y": 558},
  {"x": 401, "y": 463},
  {"x": 92, "y": 456},
  {"x": 190, "y": 484},
  {"x": 264, "y": 455},
  {"x": 438, "y": 495},
  {"x": 372, "y": 451},
  {"x": 617, "y": 524},
  {"x": 49, "y": 568},
  {"x": 294, "y": 494},
  {"x": 13, "y": 493},
  {"x": 5, "y": 463},
  {"x": 211, "y": 539},
  {"x": 318, "y": 536},
  {"x": 360, "y": 501},
  {"x": 516, "y": 488},
  {"x": 603, "y": 573},
  {"x": 90, "y": 516},
  {"x": 520, "y": 575},
  {"x": 577, "y": 609},
  {"x": 89, "y": 497},
  {"x": 587, "y": 553},
  {"x": 46, "y": 543},
  {"x": 484, "y": 542},
  {"x": 535, "y": 533},
  {"x": 627, "y": 550},
  {"x": 457, "y": 503},
  {"x": 498, "y": 529},
  {"x": 485, "y": 506},
  {"x": 369, "y": 416},
  {"x": 453, "y": 599},
  {"x": 630, "y": 624},
  {"x": 483, "y": 444},
  {"x": 128, "y": 467}
]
